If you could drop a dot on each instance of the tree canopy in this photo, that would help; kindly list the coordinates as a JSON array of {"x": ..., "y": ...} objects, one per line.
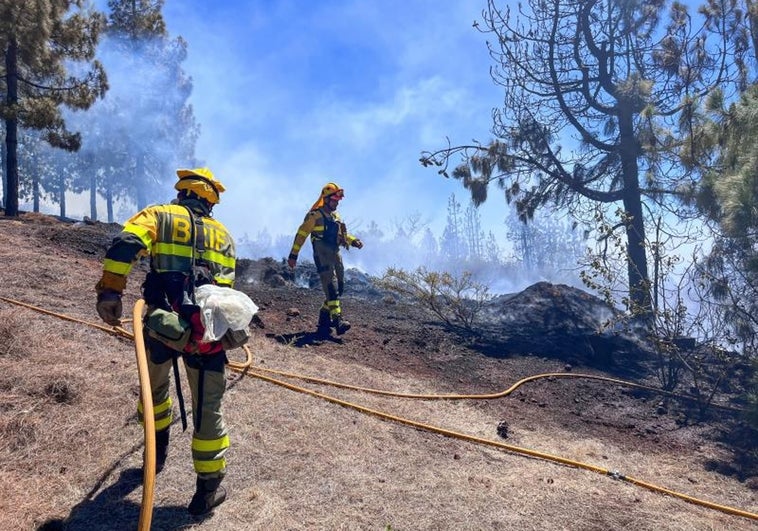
[
  {"x": 49, "y": 49},
  {"x": 138, "y": 133},
  {"x": 597, "y": 97},
  {"x": 726, "y": 158},
  {"x": 150, "y": 125}
]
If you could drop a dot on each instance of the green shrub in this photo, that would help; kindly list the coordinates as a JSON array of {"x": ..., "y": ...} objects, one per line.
[{"x": 455, "y": 300}]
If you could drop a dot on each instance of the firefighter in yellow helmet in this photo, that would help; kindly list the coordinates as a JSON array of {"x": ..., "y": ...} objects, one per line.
[
  {"x": 186, "y": 248},
  {"x": 328, "y": 233}
]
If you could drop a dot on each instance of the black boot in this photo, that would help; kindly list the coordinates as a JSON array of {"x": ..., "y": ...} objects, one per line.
[
  {"x": 340, "y": 325},
  {"x": 324, "y": 323},
  {"x": 161, "y": 449},
  {"x": 209, "y": 494}
]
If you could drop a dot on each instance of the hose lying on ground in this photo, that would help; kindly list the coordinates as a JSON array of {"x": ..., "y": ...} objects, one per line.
[{"x": 245, "y": 368}]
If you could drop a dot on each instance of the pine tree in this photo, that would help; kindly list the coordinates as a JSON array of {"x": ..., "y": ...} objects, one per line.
[
  {"x": 474, "y": 233},
  {"x": 429, "y": 247},
  {"x": 37, "y": 157},
  {"x": 596, "y": 96},
  {"x": 728, "y": 195},
  {"x": 452, "y": 243},
  {"x": 159, "y": 130},
  {"x": 49, "y": 49}
]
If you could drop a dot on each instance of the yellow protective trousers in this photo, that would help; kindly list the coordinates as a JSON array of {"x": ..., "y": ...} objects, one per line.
[
  {"x": 207, "y": 383},
  {"x": 331, "y": 272}
]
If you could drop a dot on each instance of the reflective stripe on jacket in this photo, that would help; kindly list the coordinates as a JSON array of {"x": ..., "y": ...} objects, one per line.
[
  {"x": 163, "y": 232},
  {"x": 320, "y": 225}
]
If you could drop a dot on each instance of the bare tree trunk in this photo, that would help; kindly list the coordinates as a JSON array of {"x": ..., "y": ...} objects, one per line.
[
  {"x": 35, "y": 193},
  {"x": 11, "y": 130},
  {"x": 62, "y": 195},
  {"x": 109, "y": 204},
  {"x": 35, "y": 183},
  {"x": 140, "y": 182},
  {"x": 639, "y": 293},
  {"x": 4, "y": 199},
  {"x": 92, "y": 190}
]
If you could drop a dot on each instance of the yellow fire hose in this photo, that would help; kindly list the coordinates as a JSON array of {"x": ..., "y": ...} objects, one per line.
[
  {"x": 485, "y": 396},
  {"x": 147, "y": 498},
  {"x": 516, "y": 449},
  {"x": 146, "y": 396}
]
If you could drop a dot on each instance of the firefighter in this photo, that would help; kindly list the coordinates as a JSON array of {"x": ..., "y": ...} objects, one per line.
[
  {"x": 186, "y": 247},
  {"x": 328, "y": 233}
]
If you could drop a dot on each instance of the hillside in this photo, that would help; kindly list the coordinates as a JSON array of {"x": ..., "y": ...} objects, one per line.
[{"x": 71, "y": 448}]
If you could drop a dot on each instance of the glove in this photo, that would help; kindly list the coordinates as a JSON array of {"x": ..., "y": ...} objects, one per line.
[
  {"x": 111, "y": 282},
  {"x": 292, "y": 262},
  {"x": 109, "y": 307},
  {"x": 357, "y": 244}
]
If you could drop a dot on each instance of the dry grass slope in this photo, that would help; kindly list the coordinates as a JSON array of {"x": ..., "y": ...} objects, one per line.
[{"x": 70, "y": 446}]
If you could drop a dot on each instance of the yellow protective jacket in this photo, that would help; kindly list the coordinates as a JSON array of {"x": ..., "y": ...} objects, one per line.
[
  {"x": 163, "y": 232},
  {"x": 322, "y": 225}
]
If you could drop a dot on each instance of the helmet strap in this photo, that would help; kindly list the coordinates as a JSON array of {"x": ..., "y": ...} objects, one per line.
[{"x": 195, "y": 202}]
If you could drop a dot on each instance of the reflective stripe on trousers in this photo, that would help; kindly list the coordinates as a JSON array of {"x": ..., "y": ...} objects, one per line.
[{"x": 210, "y": 439}]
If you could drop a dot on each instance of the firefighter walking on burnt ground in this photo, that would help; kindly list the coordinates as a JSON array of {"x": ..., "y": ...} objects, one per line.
[
  {"x": 182, "y": 240},
  {"x": 328, "y": 233}
]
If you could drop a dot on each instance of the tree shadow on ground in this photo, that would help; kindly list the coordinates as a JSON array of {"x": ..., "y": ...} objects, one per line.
[
  {"x": 109, "y": 510},
  {"x": 304, "y": 338}
]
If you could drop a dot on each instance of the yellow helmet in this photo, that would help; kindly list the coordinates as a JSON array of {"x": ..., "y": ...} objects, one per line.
[
  {"x": 202, "y": 182},
  {"x": 331, "y": 189},
  {"x": 328, "y": 190}
]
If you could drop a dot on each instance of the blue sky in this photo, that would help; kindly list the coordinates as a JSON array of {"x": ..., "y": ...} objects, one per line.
[{"x": 292, "y": 94}]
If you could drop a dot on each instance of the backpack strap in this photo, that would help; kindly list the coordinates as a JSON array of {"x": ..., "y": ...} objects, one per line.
[{"x": 197, "y": 237}]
